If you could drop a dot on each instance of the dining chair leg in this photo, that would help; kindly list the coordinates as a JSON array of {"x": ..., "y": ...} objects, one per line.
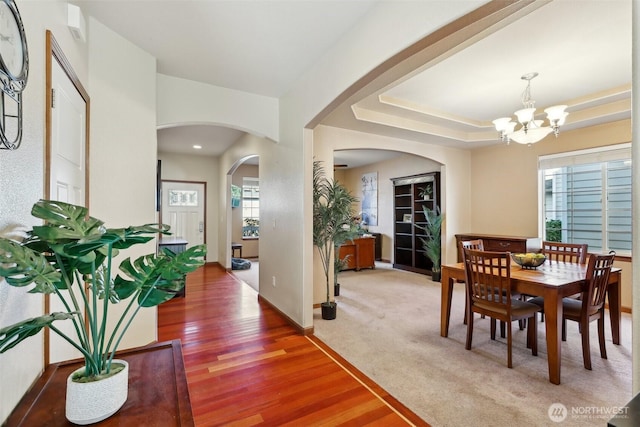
[
  {"x": 586, "y": 351},
  {"x": 469, "y": 330},
  {"x": 493, "y": 328},
  {"x": 532, "y": 335},
  {"x": 522, "y": 323},
  {"x": 466, "y": 306},
  {"x": 564, "y": 330},
  {"x": 603, "y": 349},
  {"x": 502, "y": 325},
  {"x": 509, "y": 340}
]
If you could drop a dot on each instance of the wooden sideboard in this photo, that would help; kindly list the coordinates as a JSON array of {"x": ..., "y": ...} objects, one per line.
[
  {"x": 158, "y": 393},
  {"x": 361, "y": 253},
  {"x": 497, "y": 243},
  {"x": 378, "y": 246}
]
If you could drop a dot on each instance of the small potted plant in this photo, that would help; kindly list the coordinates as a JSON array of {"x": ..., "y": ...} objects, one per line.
[
  {"x": 332, "y": 218},
  {"x": 425, "y": 192},
  {"x": 70, "y": 256},
  {"x": 432, "y": 242}
]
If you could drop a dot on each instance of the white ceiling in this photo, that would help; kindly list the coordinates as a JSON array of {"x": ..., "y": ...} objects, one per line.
[{"x": 581, "y": 48}]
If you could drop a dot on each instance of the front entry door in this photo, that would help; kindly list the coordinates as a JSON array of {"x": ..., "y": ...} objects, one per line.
[{"x": 183, "y": 209}]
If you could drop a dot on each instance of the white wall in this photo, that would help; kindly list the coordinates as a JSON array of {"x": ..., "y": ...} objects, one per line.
[
  {"x": 123, "y": 149},
  {"x": 181, "y": 167},
  {"x": 22, "y": 184},
  {"x": 183, "y": 101}
]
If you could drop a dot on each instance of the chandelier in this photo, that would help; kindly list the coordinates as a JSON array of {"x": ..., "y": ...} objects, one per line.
[{"x": 531, "y": 130}]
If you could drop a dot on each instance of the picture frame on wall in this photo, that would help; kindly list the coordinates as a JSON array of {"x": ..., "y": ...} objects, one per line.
[{"x": 369, "y": 211}]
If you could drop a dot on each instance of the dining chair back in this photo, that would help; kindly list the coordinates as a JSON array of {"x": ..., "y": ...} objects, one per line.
[
  {"x": 591, "y": 306},
  {"x": 477, "y": 245},
  {"x": 488, "y": 286},
  {"x": 565, "y": 252}
]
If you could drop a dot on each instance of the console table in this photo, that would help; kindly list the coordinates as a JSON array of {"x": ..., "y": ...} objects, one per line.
[
  {"x": 158, "y": 393},
  {"x": 361, "y": 253}
]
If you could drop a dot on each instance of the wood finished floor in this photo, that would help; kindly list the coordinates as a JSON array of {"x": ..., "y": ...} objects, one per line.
[{"x": 246, "y": 366}]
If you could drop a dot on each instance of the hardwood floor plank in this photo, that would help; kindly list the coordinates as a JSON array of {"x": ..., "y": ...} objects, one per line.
[{"x": 246, "y": 366}]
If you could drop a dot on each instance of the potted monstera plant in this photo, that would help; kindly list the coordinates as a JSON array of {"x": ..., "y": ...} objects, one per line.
[
  {"x": 332, "y": 217},
  {"x": 71, "y": 256}
]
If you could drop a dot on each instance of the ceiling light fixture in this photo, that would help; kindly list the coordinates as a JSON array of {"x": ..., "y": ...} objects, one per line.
[
  {"x": 532, "y": 130},
  {"x": 197, "y": 147}
]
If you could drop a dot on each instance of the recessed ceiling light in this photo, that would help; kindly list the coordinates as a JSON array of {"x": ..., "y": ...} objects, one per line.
[{"x": 197, "y": 147}]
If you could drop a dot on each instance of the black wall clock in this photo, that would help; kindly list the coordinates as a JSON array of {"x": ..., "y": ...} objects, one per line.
[{"x": 14, "y": 69}]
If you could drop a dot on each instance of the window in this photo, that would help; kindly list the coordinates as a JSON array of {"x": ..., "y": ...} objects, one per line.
[
  {"x": 587, "y": 198},
  {"x": 250, "y": 208}
]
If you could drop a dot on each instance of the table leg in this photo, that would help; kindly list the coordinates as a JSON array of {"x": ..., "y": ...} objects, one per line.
[
  {"x": 445, "y": 303},
  {"x": 615, "y": 301},
  {"x": 553, "y": 324}
]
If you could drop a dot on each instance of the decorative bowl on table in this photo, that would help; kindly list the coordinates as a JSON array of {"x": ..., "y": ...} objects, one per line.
[{"x": 529, "y": 260}]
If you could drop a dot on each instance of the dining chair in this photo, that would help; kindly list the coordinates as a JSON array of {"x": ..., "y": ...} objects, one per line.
[
  {"x": 590, "y": 306},
  {"x": 565, "y": 252},
  {"x": 478, "y": 245},
  {"x": 488, "y": 286}
]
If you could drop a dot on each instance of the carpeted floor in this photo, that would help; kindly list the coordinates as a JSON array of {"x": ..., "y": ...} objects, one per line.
[{"x": 388, "y": 326}]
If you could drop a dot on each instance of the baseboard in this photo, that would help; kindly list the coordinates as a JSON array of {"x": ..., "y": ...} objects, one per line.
[{"x": 299, "y": 329}]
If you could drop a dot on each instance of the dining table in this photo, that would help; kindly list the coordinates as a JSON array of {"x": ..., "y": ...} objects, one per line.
[{"x": 553, "y": 281}]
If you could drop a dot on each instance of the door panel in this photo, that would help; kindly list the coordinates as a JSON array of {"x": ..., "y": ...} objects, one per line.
[
  {"x": 68, "y": 118},
  {"x": 183, "y": 209}
]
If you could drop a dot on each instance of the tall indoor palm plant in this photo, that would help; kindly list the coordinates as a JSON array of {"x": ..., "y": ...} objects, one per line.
[
  {"x": 333, "y": 216},
  {"x": 432, "y": 242}
]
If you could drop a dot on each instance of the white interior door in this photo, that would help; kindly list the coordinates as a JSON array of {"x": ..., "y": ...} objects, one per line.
[
  {"x": 67, "y": 171},
  {"x": 183, "y": 209},
  {"x": 68, "y": 115}
]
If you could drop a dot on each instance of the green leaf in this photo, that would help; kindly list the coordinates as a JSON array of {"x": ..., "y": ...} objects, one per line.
[
  {"x": 15, "y": 334},
  {"x": 21, "y": 266},
  {"x": 157, "y": 278},
  {"x": 433, "y": 229},
  {"x": 102, "y": 286},
  {"x": 63, "y": 221}
]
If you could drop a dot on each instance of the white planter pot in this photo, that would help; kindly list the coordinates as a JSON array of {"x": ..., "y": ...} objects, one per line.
[{"x": 91, "y": 402}]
